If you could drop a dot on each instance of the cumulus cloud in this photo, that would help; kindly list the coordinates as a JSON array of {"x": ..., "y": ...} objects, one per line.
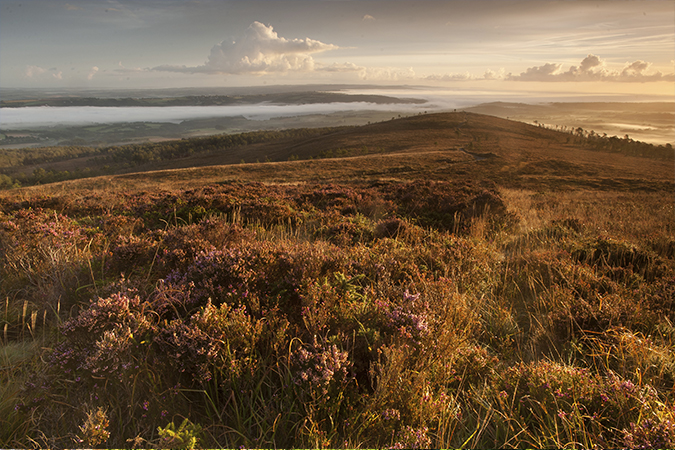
[
  {"x": 589, "y": 63},
  {"x": 451, "y": 77},
  {"x": 467, "y": 76},
  {"x": 592, "y": 68},
  {"x": 34, "y": 71},
  {"x": 494, "y": 75},
  {"x": 40, "y": 73},
  {"x": 340, "y": 68},
  {"x": 92, "y": 72},
  {"x": 386, "y": 73},
  {"x": 260, "y": 50},
  {"x": 124, "y": 69},
  {"x": 538, "y": 73},
  {"x": 368, "y": 18}
]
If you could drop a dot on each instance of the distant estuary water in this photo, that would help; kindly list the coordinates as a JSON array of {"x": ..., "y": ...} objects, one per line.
[{"x": 38, "y": 116}]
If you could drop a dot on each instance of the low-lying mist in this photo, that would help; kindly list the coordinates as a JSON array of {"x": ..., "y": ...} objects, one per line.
[{"x": 30, "y": 117}]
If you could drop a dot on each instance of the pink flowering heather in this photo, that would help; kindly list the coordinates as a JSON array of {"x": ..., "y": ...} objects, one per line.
[{"x": 318, "y": 366}]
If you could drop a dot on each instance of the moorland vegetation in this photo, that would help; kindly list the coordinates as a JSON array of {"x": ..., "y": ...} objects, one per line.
[{"x": 450, "y": 280}]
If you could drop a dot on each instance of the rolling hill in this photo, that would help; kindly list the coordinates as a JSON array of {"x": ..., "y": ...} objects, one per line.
[{"x": 449, "y": 146}]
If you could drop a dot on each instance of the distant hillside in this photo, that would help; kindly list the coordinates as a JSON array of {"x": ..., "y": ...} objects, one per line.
[
  {"x": 294, "y": 98},
  {"x": 652, "y": 122},
  {"x": 448, "y": 146}
]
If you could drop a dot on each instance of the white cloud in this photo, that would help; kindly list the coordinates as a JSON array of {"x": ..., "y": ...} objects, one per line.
[
  {"x": 538, "y": 73},
  {"x": 592, "y": 68},
  {"x": 635, "y": 69},
  {"x": 92, "y": 72},
  {"x": 40, "y": 73},
  {"x": 34, "y": 71},
  {"x": 368, "y": 18},
  {"x": 589, "y": 63},
  {"x": 492, "y": 75},
  {"x": 123, "y": 69},
  {"x": 451, "y": 77},
  {"x": 467, "y": 76},
  {"x": 260, "y": 50},
  {"x": 386, "y": 73},
  {"x": 340, "y": 67}
]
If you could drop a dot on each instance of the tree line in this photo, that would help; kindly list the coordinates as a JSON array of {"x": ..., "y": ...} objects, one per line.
[{"x": 108, "y": 160}]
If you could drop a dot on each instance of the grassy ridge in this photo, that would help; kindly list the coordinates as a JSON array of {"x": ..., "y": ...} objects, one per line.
[
  {"x": 507, "y": 296},
  {"x": 511, "y": 148}
]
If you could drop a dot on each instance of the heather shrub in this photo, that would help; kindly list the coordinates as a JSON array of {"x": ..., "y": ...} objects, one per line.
[
  {"x": 132, "y": 254},
  {"x": 215, "y": 342},
  {"x": 660, "y": 296},
  {"x": 261, "y": 275},
  {"x": 632, "y": 355},
  {"x": 41, "y": 250},
  {"x": 605, "y": 251},
  {"x": 651, "y": 433},
  {"x": 94, "y": 431},
  {"x": 410, "y": 437},
  {"x": 181, "y": 245},
  {"x": 390, "y": 228},
  {"x": 344, "y": 232},
  {"x": 563, "y": 405},
  {"x": 441, "y": 205},
  {"x": 322, "y": 373}
]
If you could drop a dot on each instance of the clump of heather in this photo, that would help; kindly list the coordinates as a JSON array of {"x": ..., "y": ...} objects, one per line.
[
  {"x": 409, "y": 317},
  {"x": 318, "y": 367},
  {"x": 583, "y": 406},
  {"x": 410, "y": 437},
  {"x": 651, "y": 433},
  {"x": 216, "y": 341}
]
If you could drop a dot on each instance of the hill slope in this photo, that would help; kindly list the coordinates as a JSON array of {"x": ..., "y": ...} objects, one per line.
[{"x": 449, "y": 146}]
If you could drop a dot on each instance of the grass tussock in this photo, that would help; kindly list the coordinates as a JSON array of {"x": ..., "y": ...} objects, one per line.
[{"x": 383, "y": 314}]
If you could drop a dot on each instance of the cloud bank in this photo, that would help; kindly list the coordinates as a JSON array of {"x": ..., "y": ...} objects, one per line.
[
  {"x": 37, "y": 72},
  {"x": 592, "y": 68},
  {"x": 259, "y": 51}
]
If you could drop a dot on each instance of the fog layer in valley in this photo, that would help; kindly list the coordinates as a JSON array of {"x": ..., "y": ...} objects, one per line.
[
  {"x": 30, "y": 117},
  {"x": 620, "y": 116}
]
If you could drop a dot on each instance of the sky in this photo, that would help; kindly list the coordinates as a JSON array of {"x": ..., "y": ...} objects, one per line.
[{"x": 564, "y": 46}]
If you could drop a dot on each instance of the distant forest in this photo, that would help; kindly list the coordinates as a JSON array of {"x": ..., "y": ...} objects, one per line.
[{"x": 116, "y": 159}]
